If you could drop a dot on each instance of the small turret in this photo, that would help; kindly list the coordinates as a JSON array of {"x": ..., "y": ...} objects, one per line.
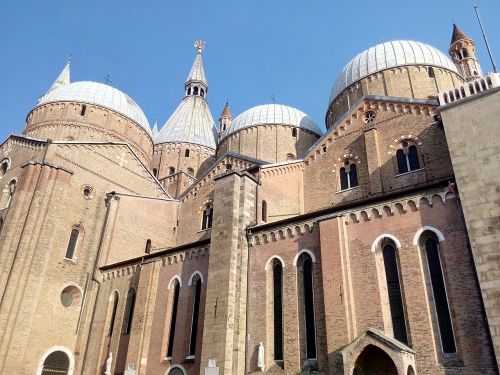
[
  {"x": 463, "y": 53},
  {"x": 196, "y": 83},
  {"x": 225, "y": 120}
]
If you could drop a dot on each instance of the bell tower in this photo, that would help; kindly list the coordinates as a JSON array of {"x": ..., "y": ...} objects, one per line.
[
  {"x": 225, "y": 120},
  {"x": 463, "y": 53}
]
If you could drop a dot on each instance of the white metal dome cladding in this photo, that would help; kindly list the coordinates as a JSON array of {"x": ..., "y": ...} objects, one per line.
[
  {"x": 388, "y": 55},
  {"x": 101, "y": 95},
  {"x": 273, "y": 114}
]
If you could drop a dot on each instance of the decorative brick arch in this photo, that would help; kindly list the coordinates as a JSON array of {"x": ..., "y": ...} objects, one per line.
[
  {"x": 437, "y": 232},
  {"x": 190, "y": 282},
  {"x": 269, "y": 261},
  {"x": 377, "y": 241},
  {"x": 395, "y": 144},
  {"x": 171, "y": 282},
  {"x": 173, "y": 367},
  {"x": 63, "y": 349},
  {"x": 307, "y": 251}
]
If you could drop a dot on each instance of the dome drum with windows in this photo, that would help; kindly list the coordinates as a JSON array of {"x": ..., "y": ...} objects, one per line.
[{"x": 401, "y": 68}]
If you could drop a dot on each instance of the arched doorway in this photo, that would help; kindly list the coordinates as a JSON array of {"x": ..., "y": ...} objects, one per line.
[
  {"x": 176, "y": 371},
  {"x": 56, "y": 363},
  {"x": 374, "y": 361}
]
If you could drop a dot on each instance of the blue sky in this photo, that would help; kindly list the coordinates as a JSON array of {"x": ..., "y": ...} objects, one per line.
[{"x": 255, "y": 48}]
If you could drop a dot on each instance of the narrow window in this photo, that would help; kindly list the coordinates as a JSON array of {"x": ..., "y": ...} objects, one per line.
[
  {"x": 402, "y": 164},
  {"x": 348, "y": 176},
  {"x": 148, "y": 247},
  {"x": 155, "y": 172},
  {"x": 264, "y": 211},
  {"x": 194, "y": 320},
  {"x": 113, "y": 313},
  {"x": 224, "y": 127},
  {"x": 440, "y": 297},
  {"x": 278, "y": 311},
  {"x": 189, "y": 91},
  {"x": 294, "y": 132},
  {"x": 3, "y": 168},
  {"x": 195, "y": 92},
  {"x": 413, "y": 158},
  {"x": 129, "y": 312},
  {"x": 190, "y": 171},
  {"x": 82, "y": 111},
  {"x": 202, "y": 93},
  {"x": 344, "y": 184},
  {"x": 310, "y": 325},
  {"x": 171, "y": 171},
  {"x": 11, "y": 189},
  {"x": 173, "y": 319},
  {"x": 207, "y": 217},
  {"x": 186, "y": 153},
  {"x": 73, "y": 239},
  {"x": 394, "y": 291},
  {"x": 431, "y": 73}
]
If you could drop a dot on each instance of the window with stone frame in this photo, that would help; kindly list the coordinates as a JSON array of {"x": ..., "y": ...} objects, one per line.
[
  {"x": 407, "y": 158},
  {"x": 196, "y": 285},
  {"x": 307, "y": 322},
  {"x": 348, "y": 175},
  {"x": 173, "y": 317},
  {"x": 207, "y": 217},
  {"x": 56, "y": 363},
  {"x": 115, "y": 299},
  {"x": 264, "y": 212},
  {"x": 171, "y": 171},
  {"x": 129, "y": 312},
  {"x": 72, "y": 243},
  {"x": 4, "y": 167},
  {"x": 9, "y": 193},
  {"x": 430, "y": 247},
  {"x": 278, "y": 310}
]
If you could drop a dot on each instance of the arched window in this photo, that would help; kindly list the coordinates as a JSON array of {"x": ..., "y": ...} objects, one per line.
[
  {"x": 73, "y": 240},
  {"x": 171, "y": 171},
  {"x": 195, "y": 92},
  {"x": 407, "y": 158},
  {"x": 440, "y": 297},
  {"x": 113, "y": 313},
  {"x": 189, "y": 91},
  {"x": 196, "y": 313},
  {"x": 147, "y": 250},
  {"x": 173, "y": 319},
  {"x": 294, "y": 132},
  {"x": 308, "y": 331},
  {"x": 56, "y": 363},
  {"x": 1, "y": 223},
  {"x": 129, "y": 312},
  {"x": 4, "y": 167},
  {"x": 264, "y": 211},
  {"x": 83, "y": 110},
  {"x": 207, "y": 217},
  {"x": 394, "y": 290},
  {"x": 290, "y": 157},
  {"x": 202, "y": 93},
  {"x": 431, "y": 73},
  {"x": 186, "y": 153},
  {"x": 348, "y": 176},
  {"x": 190, "y": 171},
  {"x": 11, "y": 188},
  {"x": 278, "y": 310},
  {"x": 155, "y": 172}
]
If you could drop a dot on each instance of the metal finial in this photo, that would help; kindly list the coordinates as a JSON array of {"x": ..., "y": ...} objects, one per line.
[
  {"x": 200, "y": 45},
  {"x": 69, "y": 59},
  {"x": 107, "y": 79},
  {"x": 273, "y": 98}
]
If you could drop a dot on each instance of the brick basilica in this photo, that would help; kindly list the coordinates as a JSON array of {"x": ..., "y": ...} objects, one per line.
[{"x": 261, "y": 244}]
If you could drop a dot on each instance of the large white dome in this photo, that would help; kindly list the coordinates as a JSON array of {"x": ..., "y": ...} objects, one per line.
[
  {"x": 98, "y": 94},
  {"x": 273, "y": 114},
  {"x": 388, "y": 55}
]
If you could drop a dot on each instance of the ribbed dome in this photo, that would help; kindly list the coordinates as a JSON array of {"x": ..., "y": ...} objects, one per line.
[
  {"x": 273, "y": 114},
  {"x": 389, "y": 55},
  {"x": 98, "y": 94}
]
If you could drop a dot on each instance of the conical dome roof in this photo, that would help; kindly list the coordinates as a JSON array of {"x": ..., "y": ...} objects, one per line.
[
  {"x": 457, "y": 34},
  {"x": 192, "y": 121}
]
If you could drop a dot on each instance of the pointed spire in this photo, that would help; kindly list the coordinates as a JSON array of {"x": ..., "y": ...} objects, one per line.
[
  {"x": 457, "y": 34},
  {"x": 226, "y": 112},
  {"x": 197, "y": 73},
  {"x": 155, "y": 128},
  {"x": 63, "y": 78}
]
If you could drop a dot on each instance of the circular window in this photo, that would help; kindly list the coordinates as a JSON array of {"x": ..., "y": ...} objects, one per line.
[
  {"x": 369, "y": 117},
  {"x": 88, "y": 192},
  {"x": 71, "y": 296}
]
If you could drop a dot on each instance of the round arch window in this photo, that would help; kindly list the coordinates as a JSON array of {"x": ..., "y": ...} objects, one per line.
[
  {"x": 56, "y": 363},
  {"x": 71, "y": 296}
]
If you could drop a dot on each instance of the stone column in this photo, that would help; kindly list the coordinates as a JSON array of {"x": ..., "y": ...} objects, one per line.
[{"x": 224, "y": 329}]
